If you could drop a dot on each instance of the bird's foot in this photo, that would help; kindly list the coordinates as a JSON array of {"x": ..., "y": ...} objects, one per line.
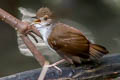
[
  {"x": 56, "y": 63},
  {"x": 47, "y": 65}
]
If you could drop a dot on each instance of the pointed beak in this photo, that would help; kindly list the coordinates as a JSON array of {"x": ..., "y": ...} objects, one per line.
[{"x": 36, "y": 21}]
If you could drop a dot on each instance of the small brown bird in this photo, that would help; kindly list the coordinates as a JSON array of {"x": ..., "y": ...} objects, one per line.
[{"x": 65, "y": 40}]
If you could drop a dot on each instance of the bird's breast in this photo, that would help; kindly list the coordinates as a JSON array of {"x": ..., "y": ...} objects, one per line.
[{"x": 45, "y": 32}]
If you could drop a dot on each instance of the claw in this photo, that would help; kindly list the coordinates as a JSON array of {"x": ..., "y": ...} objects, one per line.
[
  {"x": 57, "y": 68},
  {"x": 56, "y": 63},
  {"x": 46, "y": 66}
]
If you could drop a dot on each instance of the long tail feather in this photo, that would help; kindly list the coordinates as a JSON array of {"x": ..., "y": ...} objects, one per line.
[{"x": 97, "y": 51}]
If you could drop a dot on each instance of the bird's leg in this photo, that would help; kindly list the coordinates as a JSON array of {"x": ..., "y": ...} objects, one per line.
[
  {"x": 47, "y": 65},
  {"x": 56, "y": 63}
]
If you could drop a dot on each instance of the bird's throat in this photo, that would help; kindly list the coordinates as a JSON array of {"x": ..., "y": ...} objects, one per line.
[{"x": 44, "y": 30}]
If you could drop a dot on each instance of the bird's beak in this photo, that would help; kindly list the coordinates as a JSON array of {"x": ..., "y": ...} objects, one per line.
[{"x": 36, "y": 21}]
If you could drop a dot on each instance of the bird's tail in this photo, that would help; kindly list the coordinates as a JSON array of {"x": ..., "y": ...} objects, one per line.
[{"x": 97, "y": 51}]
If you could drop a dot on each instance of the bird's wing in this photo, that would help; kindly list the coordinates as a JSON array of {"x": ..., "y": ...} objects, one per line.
[{"x": 69, "y": 41}]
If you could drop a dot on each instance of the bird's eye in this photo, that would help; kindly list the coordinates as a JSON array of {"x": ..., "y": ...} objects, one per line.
[{"x": 45, "y": 17}]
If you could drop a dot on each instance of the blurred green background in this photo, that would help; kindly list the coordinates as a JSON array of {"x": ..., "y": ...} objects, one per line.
[{"x": 100, "y": 17}]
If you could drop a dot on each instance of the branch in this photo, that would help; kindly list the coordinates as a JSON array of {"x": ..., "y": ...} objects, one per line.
[
  {"x": 22, "y": 27},
  {"x": 109, "y": 68}
]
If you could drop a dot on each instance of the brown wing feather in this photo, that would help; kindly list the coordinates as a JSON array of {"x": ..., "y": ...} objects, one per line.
[{"x": 69, "y": 41}]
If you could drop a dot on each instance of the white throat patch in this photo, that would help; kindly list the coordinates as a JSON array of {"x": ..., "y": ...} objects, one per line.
[
  {"x": 45, "y": 32},
  {"x": 44, "y": 29}
]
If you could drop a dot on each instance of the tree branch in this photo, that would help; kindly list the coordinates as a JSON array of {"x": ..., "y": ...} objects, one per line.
[
  {"x": 22, "y": 27},
  {"x": 109, "y": 68}
]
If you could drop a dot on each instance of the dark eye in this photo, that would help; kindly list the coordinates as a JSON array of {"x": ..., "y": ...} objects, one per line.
[{"x": 45, "y": 18}]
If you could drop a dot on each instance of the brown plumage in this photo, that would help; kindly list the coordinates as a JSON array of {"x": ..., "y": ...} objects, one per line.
[
  {"x": 70, "y": 42},
  {"x": 43, "y": 11}
]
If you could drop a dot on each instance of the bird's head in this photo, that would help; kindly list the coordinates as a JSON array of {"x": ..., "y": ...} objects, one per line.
[{"x": 43, "y": 16}]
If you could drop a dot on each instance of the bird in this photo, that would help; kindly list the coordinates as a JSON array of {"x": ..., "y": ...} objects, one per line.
[{"x": 69, "y": 42}]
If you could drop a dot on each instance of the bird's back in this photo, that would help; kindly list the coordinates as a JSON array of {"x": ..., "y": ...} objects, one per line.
[{"x": 71, "y": 42}]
